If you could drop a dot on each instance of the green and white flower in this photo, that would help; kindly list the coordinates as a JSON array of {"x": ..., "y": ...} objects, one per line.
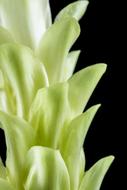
[{"x": 42, "y": 102}]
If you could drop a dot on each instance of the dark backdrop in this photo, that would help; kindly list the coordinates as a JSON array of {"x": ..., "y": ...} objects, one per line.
[{"x": 101, "y": 41}]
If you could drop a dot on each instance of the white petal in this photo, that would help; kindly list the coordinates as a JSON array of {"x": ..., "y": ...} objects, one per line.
[{"x": 27, "y": 20}]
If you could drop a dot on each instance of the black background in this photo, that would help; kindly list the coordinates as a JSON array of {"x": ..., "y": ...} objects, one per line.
[{"x": 101, "y": 40}]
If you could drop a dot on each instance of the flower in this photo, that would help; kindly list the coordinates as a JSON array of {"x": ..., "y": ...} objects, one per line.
[{"x": 42, "y": 102}]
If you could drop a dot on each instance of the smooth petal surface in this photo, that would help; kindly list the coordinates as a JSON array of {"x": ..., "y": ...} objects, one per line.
[
  {"x": 2, "y": 170},
  {"x": 48, "y": 114},
  {"x": 5, "y": 36},
  {"x": 55, "y": 46},
  {"x": 54, "y": 107},
  {"x": 19, "y": 138},
  {"x": 82, "y": 84},
  {"x": 73, "y": 141},
  {"x": 70, "y": 64},
  {"x": 27, "y": 20},
  {"x": 82, "y": 163},
  {"x": 76, "y": 10},
  {"x": 45, "y": 169},
  {"x": 23, "y": 76},
  {"x": 93, "y": 178},
  {"x": 4, "y": 185}
]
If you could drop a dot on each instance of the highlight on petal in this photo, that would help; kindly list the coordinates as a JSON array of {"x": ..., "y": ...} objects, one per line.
[
  {"x": 5, "y": 36},
  {"x": 75, "y": 9},
  {"x": 72, "y": 144},
  {"x": 70, "y": 64},
  {"x": 26, "y": 20},
  {"x": 48, "y": 114},
  {"x": 55, "y": 45},
  {"x": 82, "y": 164},
  {"x": 4, "y": 185},
  {"x": 94, "y": 176},
  {"x": 19, "y": 138},
  {"x": 45, "y": 169},
  {"x": 23, "y": 75},
  {"x": 82, "y": 84}
]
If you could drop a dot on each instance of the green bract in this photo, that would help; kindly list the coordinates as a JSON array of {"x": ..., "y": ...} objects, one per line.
[{"x": 42, "y": 102}]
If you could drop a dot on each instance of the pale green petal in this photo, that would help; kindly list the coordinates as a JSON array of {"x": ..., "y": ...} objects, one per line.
[
  {"x": 82, "y": 163},
  {"x": 19, "y": 138},
  {"x": 93, "y": 178},
  {"x": 4, "y": 185},
  {"x": 54, "y": 107},
  {"x": 76, "y": 10},
  {"x": 5, "y": 36},
  {"x": 48, "y": 114},
  {"x": 27, "y": 20},
  {"x": 23, "y": 75},
  {"x": 70, "y": 64},
  {"x": 55, "y": 46},
  {"x": 72, "y": 143},
  {"x": 45, "y": 169},
  {"x": 82, "y": 85},
  {"x": 2, "y": 170}
]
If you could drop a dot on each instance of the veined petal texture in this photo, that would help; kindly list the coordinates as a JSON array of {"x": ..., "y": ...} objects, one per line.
[
  {"x": 22, "y": 75},
  {"x": 45, "y": 170},
  {"x": 55, "y": 46},
  {"x": 55, "y": 106}
]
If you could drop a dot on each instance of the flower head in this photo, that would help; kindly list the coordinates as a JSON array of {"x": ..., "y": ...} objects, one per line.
[{"x": 42, "y": 102}]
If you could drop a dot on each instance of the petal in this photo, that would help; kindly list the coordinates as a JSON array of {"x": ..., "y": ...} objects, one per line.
[
  {"x": 54, "y": 107},
  {"x": 5, "y": 36},
  {"x": 76, "y": 10},
  {"x": 82, "y": 84},
  {"x": 48, "y": 114},
  {"x": 4, "y": 185},
  {"x": 2, "y": 170},
  {"x": 19, "y": 138},
  {"x": 55, "y": 46},
  {"x": 82, "y": 163},
  {"x": 72, "y": 143},
  {"x": 93, "y": 178},
  {"x": 45, "y": 169},
  {"x": 26, "y": 20},
  {"x": 70, "y": 64},
  {"x": 23, "y": 76}
]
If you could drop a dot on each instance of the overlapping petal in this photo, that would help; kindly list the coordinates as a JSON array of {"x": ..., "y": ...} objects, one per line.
[
  {"x": 26, "y": 20},
  {"x": 75, "y": 10},
  {"x": 45, "y": 169},
  {"x": 19, "y": 138},
  {"x": 93, "y": 178},
  {"x": 55, "y": 45},
  {"x": 41, "y": 103},
  {"x": 47, "y": 113},
  {"x": 72, "y": 142},
  {"x": 23, "y": 75}
]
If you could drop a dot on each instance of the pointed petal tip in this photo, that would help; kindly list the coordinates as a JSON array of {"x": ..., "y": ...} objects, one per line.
[
  {"x": 84, "y": 2},
  {"x": 110, "y": 158},
  {"x": 94, "y": 108},
  {"x": 102, "y": 66},
  {"x": 97, "y": 106}
]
